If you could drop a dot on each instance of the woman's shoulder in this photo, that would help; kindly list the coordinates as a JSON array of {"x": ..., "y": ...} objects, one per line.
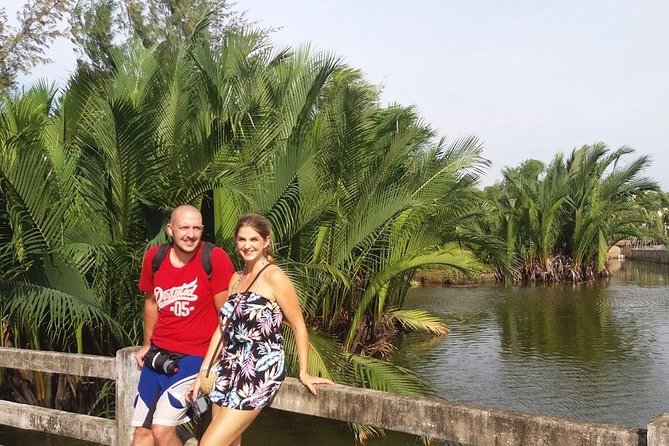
[
  {"x": 234, "y": 279},
  {"x": 279, "y": 284},
  {"x": 274, "y": 273}
]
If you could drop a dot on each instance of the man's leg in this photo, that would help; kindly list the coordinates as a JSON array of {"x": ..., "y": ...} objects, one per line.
[
  {"x": 148, "y": 392},
  {"x": 142, "y": 437},
  {"x": 171, "y": 407},
  {"x": 165, "y": 435}
]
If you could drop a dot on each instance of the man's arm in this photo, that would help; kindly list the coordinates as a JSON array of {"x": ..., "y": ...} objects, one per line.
[
  {"x": 222, "y": 276},
  {"x": 150, "y": 319},
  {"x": 219, "y": 300}
]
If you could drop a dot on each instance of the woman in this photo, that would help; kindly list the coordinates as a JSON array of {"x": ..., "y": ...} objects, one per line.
[{"x": 251, "y": 364}]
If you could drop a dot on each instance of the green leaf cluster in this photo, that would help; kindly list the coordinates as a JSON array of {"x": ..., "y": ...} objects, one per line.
[
  {"x": 559, "y": 221},
  {"x": 24, "y": 46}
]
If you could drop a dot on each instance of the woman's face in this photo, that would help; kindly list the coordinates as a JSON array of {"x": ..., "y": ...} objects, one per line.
[{"x": 250, "y": 244}]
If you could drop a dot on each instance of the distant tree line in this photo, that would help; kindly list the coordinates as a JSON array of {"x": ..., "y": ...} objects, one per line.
[{"x": 558, "y": 221}]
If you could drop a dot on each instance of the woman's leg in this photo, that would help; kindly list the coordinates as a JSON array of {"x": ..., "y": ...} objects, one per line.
[{"x": 227, "y": 426}]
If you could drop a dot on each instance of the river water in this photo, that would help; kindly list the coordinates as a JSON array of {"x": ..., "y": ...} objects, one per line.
[{"x": 592, "y": 352}]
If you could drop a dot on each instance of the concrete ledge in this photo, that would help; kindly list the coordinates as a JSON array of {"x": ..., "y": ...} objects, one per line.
[
  {"x": 655, "y": 255},
  {"x": 82, "y": 427},
  {"x": 127, "y": 378},
  {"x": 658, "y": 430},
  {"x": 55, "y": 362},
  {"x": 463, "y": 423}
]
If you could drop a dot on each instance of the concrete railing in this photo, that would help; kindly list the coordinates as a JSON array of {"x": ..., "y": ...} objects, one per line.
[
  {"x": 655, "y": 254},
  {"x": 82, "y": 427},
  {"x": 463, "y": 423}
]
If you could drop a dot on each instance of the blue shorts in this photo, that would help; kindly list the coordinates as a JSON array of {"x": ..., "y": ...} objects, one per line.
[{"x": 161, "y": 399}]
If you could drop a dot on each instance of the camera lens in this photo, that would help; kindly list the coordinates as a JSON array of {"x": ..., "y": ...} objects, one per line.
[{"x": 200, "y": 405}]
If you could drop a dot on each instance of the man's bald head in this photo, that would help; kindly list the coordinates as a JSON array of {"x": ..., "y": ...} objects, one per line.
[
  {"x": 185, "y": 228},
  {"x": 183, "y": 209}
]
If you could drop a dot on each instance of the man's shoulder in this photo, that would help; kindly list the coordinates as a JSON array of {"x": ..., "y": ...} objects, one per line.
[
  {"x": 221, "y": 264},
  {"x": 217, "y": 251},
  {"x": 151, "y": 251},
  {"x": 153, "y": 248}
]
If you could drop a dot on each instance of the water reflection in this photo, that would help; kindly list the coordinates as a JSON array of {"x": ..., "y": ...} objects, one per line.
[
  {"x": 560, "y": 322},
  {"x": 591, "y": 352},
  {"x": 645, "y": 274},
  {"x": 19, "y": 437}
]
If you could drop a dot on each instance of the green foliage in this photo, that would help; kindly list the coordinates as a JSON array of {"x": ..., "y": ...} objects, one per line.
[
  {"x": 93, "y": 26},
  {"x": 23, "y": 47},
  {"x": 559, "y": 222},
  {"x": 99, "y": 28},
  {"x": 653, "y": 209}
]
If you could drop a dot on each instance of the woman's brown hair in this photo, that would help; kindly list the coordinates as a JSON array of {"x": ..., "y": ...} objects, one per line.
[{"x": 262, "y": 226}]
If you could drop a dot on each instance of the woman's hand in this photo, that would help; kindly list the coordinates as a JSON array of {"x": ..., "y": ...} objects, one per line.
[
  {"x": 310, "y": 381},
  {"x": 194, "y": 390}
]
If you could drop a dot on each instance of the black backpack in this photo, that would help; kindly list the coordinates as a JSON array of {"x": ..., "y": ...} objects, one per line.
[{"x": 207, "y": 247}]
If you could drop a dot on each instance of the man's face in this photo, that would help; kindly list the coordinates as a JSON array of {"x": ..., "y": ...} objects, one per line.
[{"x": 186, "y": 230}]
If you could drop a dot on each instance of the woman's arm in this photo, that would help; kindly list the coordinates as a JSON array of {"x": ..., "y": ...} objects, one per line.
[
  {"x": 194, "y": 389},
  {"x": 286, "y": 297},
  {"x": 212, "y": 352}
]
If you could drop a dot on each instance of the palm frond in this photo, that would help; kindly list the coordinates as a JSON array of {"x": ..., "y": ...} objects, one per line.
[{"x": 419, "y": 320}]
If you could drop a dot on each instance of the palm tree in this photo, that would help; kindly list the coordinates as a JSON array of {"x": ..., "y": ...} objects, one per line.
[
  {"x": 539, "y": 204},
  {"x": 600, "y": 205},
  {"x": 45, "y": 289},
  {"x": 561, "y": 221}
]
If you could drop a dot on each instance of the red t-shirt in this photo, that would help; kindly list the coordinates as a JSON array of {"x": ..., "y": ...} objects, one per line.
[{"x": 187, "y": 315}]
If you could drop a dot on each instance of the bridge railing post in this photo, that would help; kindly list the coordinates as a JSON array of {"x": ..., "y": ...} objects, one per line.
[
  {"x": 658, "y": 431},
  {"x": 127, "y": 377}
]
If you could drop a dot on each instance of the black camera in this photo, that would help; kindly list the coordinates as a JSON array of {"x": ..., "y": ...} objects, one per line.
[
  {"x": 200, "y": 405},
  {"x": 162, "y": 361}
]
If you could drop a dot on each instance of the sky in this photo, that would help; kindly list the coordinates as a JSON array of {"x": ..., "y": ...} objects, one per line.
[{"x": 529, "y": 78}]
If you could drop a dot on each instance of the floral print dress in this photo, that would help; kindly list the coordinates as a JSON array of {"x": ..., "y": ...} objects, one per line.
[{"x": 251, "y": 366}]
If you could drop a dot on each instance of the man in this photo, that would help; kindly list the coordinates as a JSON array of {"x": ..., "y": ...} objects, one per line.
[{"x": 180, "y": 315}]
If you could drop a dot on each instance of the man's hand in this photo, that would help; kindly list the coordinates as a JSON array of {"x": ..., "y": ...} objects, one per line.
[{"x": 139, "y": 356}]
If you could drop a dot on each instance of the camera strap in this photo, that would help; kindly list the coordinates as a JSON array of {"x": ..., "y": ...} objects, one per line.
[{"x": 227, "y": 321}]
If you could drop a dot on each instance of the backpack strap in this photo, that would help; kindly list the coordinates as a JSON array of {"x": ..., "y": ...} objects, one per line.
[
  {"x": 158, "y": 257},
  {"x": 207, "y": 247}
]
